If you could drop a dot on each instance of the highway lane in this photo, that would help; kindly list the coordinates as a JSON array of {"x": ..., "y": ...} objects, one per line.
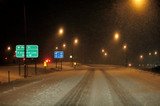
[{"x": 98, "y": 85}]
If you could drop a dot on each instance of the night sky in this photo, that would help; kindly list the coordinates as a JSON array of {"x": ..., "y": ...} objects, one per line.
[{"x": 94, "y": 22}]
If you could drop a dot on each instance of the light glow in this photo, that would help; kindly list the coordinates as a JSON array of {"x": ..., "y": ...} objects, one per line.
[
  {"x": 61, "y": 31},
  {"x": 139, "y": 4},
  {"x": 116, "y": 36}
]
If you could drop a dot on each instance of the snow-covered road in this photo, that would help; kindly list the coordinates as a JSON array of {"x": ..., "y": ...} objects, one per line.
[{"x": 97, "y": 85}]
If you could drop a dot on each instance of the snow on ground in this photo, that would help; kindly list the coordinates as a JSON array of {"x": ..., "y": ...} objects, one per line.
[
  {"x": 141, "y": 85},
  {"x": 45, "y": 92},
  {"x": 87, "y": 86},
  {"x": 14, "y": 71},
  {"x": 4, "y": 73},
  {"x": 100, "y": 93}
]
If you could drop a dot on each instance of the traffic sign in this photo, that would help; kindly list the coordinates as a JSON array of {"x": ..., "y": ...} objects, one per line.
[
  {"x": 20, "y": 51},
  {"x": 31, "y": 51},
  {"x": 58, "y": 54}
]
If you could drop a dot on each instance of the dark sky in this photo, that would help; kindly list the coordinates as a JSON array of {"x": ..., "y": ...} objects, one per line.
[{"x": 92, "y": 21}]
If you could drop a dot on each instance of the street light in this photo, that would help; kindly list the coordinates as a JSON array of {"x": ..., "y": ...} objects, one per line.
[
  {"x": 105, "y": 54},
  {"x": 64, "y": 45},
  {"x": 56, "y": 48},
  {"x": 61, "y": 31},
  {"x": 141, "y": 57},
  {"x": 75, "y": 41},
  {"x": 150, "y": 54},
  {"x": 8, "y": 48},
  {"x": 126, "y": 60},
  {"x": 103, "y": 50},
  {"x": 139, "y": 4},
  {"x": 155, "y": 52},
  {"x": 130, "y": 65},
  {"x": 124, "y": 47},
  {"x": 116, "y": 36},
  {"x": 71, "y": 57}
]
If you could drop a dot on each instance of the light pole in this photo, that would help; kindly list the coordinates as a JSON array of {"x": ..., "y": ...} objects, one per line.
[
  {"x": 64, "y": 45},
  {"x": 25, "y": 42},
  {"x": 105, "y": 55},
  {"x": 75, "y": 43},
  {"x": 60, "y": 34},
  {"x": 125, "y": 52},
  {"x": 156, "y": 54},
  {"x": 141, "y": 57},
  {"x": 71, "y": 58},
  {"x": 64, "y": 48}
]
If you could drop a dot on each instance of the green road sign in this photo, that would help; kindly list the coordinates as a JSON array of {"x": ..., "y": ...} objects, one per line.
[
  {"x": 31, "y": 51},
  {"x": 20, "y": 51}
]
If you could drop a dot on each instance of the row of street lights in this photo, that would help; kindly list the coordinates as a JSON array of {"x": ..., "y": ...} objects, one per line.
[
  {"x": 142, "y": 56},
  {"x": 64, "y": 45},
  {"x": 125, "y": 47}
]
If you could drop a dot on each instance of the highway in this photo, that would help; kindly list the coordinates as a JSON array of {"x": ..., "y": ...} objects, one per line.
[{"x": 94, "y": 85}]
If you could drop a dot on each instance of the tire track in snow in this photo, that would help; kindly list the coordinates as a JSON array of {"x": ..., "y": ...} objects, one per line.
[
  {"x": 125, "y": 97},
  {"x": 79, "y": 94}
]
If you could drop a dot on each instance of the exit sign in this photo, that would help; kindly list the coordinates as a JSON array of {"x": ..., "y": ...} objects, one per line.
[{"x": 32, "y": 51}]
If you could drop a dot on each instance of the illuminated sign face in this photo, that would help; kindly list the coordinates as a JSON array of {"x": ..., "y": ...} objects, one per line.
[
  {"x": 58, "y": 54},
  {"x": 31, "y": 51},
  {"x": 20, "y": 51}
]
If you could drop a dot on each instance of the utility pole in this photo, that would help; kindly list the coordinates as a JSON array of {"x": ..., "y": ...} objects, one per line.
[{"x": 25, "y": 35}]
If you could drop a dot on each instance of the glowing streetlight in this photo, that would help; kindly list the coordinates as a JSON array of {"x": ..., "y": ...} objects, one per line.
[
  {"x": 105, "y": 54},
  {"x": 141, "y": 57},
  {"x": 64, "y": 45},
  {"x": 155, "y": 52},
  {"x": 70, "y": 56},
  {"x": 139, "y": 4},
  {"x": 61, "y": 31},
  {"x": 150, "y": 54},
  {"x": 56, "y": 48},
  {"x": 103, "y": 50},
  {"x": 116, "y": 36},
  {"x": 130, "y": 65},
  {"x": 8, "y": 48},
  {"x": 126, "y": 60},
  {"x": 76, "y": 41},
  {"x": 124, "y": 47}
]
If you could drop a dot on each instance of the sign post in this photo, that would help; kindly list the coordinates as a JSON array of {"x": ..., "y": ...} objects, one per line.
[
  {"x": 19, "y": 67},
  {"x": 59, "y": 55},
  {"x": 32, "y": 51}
]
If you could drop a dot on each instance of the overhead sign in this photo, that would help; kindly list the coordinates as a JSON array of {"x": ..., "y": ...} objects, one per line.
[
  {"x": 31, "y": 51},
  {"x": 58, "y": 54}
]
